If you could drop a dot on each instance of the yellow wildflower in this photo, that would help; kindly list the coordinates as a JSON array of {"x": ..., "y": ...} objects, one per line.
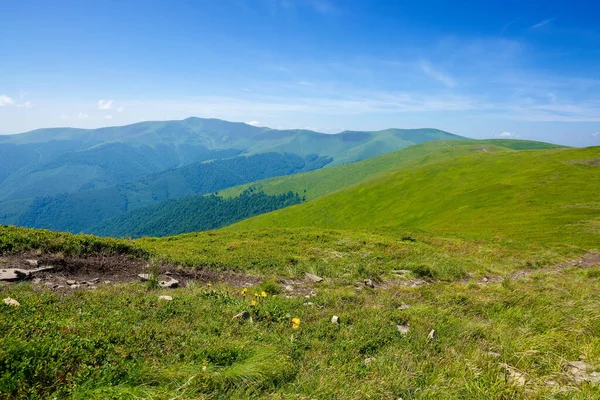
[
  {"x": 208, "y": 284},
  {"x": 253, "y": 303},
  {"x": 255, "y": 294},
  {"x": 244, "y": 291},
  {"x": 263, "y": 294},
  {"x": 295, "y": 322}
]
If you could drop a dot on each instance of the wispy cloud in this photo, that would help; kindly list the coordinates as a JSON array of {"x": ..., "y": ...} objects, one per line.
[
  {"x": 121, "y": 109},
  {"x": 254, "y": 123},
  {"x": 6, "y": 101},
  {"x": 541, "y": 23},
  {"x": 507, "y": 135},
  {"x": 82, "y": 115},
  {"x": 436, "y": 74},
  {"x": 27, "y": 104},
  {"x": 108, "y": 117},
  {"x": 105, "y": 104}
]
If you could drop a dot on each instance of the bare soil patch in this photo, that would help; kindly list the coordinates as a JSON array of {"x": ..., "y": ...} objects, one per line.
[{"x": 89, "y": 271}]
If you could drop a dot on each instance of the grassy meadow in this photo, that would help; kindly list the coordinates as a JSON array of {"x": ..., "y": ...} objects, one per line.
[{"x": 488, "y": 304}]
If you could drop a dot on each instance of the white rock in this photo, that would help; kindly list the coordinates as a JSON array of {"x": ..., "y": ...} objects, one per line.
[
  {"x": 71, "y": 282},
  {"x": 369, "y": 283},
  {"x": 335, "y": 319},
  {"x": 33, "y": 263},
  {"x": 168, "y": 298},
  {"x": 403, "y": 329},
  {"x": 171, "y": 283},
  {"x": 314, "y": 278},
  {"x": 144, "y": 277},
  {"x": 432, "y": 335},
  {"x": 11, "y": 302}
]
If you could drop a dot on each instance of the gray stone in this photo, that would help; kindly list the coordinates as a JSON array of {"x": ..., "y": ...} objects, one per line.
[
  {"x": 401, "y": 271},
  {"x": 335, "y": 319},
  {"x": 60, "y": 287},
  {"x": 71, "y": 282},
  {"x": 579, "y": 372},
  {"x": 369, "y": 283},
  {"x": 170, "y": 284},
  {"x": 36, "y": 281},
  {"x": 107, "y": 282},
  {"x": 167, "y": 298},
  {"x": 33, "y": 263},
  {"x": 243, "y": 315},
  {"x": 11, "y": 302},
  {"x": 513, "y": 376},
  {"x": 92, "y": 287},
  {"x": 94, "y": 281},
  {"x": 432, "y": 335},
  {"x": 314, "y": 278},
  {"x": 403, "y": 307},
  {"x": 13, "y": 274},
  {"x": 51, "y": 285},
  {"x": 75, "y": 286},
  {"x": 369, "y": 360},
  {"x": 403, "y": 329},
  {"x": 144, "y": 277}
]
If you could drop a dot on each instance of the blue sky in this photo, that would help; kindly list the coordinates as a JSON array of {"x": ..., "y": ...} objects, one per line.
[{"x": 481, "y": 69}]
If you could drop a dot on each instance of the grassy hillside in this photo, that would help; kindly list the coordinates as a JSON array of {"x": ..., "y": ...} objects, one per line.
[
  {"x": 547, "y": 196},
  {"x": 334, "y": 178},
  {"x": 510, "y": 339}
]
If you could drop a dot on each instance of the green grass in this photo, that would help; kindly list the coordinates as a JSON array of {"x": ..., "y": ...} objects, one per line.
[
  {"x": 549, "y": 197},
  {"x": 19, "y": 240},
  {"x": 122, "y": 343},
  {"x": 319, "y": 183}
]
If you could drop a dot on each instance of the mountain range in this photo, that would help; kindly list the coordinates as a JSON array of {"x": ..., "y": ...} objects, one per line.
[{"x": 74, "y": 179}]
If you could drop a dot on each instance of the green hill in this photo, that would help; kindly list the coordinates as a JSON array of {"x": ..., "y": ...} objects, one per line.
[
  {"x": 174, "y": 217},
  {"x": 547, "y": 196},
  {"x": 328, "y": 180}
]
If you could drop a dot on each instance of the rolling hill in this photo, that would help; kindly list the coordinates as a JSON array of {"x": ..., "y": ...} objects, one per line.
[
  {"x": 180, "y": 214},
  {"x": 550, "y": 196}
]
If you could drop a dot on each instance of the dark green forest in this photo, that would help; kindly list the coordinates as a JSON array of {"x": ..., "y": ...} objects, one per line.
[{"x": 193, "y": 214}]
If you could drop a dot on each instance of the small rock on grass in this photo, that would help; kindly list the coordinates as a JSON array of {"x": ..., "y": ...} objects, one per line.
[
  {"x": 403, "y": 307},
  {"x": 167, "y": 298},
  {"x": 314, "y": 278},
  {"x": 432, "y": 335},
  {"x": 242, "y": 315},
  {"x": 579, "y": 372},
  {"x": 33, "y": 263},
  {"x": 144, "y": 277},
  {"x": 71, "y": 282},
  {"x": 369, "y": 283},
  {"x": 369, "y": 360},
  {"x": 335, "y": 319},
  {"x": 171, "y": 283},
  {"x": 11, "y": 302},
  {"x": 403, "y": 329}
]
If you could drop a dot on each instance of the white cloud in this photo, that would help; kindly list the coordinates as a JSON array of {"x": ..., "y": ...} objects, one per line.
[
  {"x": 27, "y": 104},
  {"x": 508, "y": 135},
  {"x": 596, "y": 134},
  {"x": 437, "y": 74},
  {"x": 105, "y": 104},
  {"x": 108, "y": 117},
  {"x": 120, "y": 109},
  {"x": 63, "y": 116},
  {"x": 541, "y": 23},
  {"x": 83, "y": 116},
  {"x": 254, "y": 123},
  {"x": 6, "y": 101}
]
